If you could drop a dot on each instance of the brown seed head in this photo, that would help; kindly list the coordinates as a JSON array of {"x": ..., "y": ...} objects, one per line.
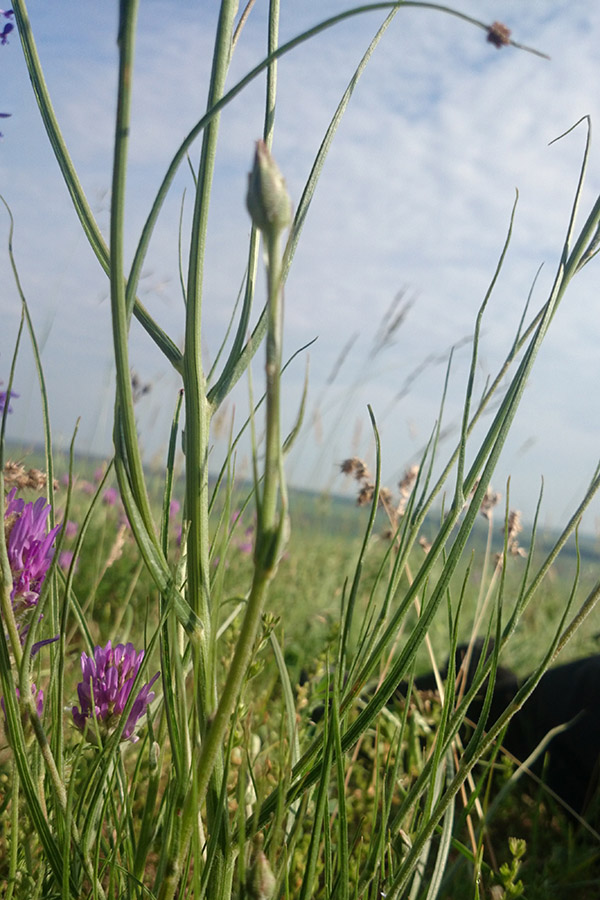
[
  {"x": 498, "y": 35},
  {"x": 365, "y": 495},
  {"x": 410, "y": 476},
  {"x": 385, "y": 496},
  {"x": 355, "y": 467},
  {"x": 16, "y": 475},
  {"x": 490, "y": 500}
]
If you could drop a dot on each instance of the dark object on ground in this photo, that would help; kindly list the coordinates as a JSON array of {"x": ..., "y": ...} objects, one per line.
[{"x": 567, "y": 695}]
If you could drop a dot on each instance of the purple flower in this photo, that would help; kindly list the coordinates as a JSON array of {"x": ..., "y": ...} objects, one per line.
[
  {"x": 247, "y": 546},
  {"x": 103, "y": 693},
  {"x": 174, "y": 507},
  {"x": 65, "y": 558},
  {"x": 29, "y": 547},
  {"x": 5, "y": 396},
  {"x": 110, "y": 496},
  {"x": 5, "y": 32},
  {"x": 70, "y": 528}
]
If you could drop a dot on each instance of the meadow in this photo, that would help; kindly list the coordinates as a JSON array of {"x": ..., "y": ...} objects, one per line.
[{"x": 207, "y": 681}]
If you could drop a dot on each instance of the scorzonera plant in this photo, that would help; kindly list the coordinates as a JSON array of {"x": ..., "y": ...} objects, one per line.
[{"x": 166, "y": 767}]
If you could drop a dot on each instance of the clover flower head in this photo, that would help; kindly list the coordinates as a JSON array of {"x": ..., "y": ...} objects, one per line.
[
  {"x": 105, "y": 688},
  {"x": 30, "y": 548}
]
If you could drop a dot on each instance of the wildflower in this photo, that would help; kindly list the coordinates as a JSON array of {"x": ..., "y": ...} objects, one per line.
[
  {"x": 174, "y": 507},
  {"x": 65, "y": 558},
  {"x": 103, "y": 693},
  {"x": 246, "y": 546},
  {"x": 6, "y": 31},
  {"x": 6, "y": 396},
  {"x": 29, "y": 548},
  {"x": 70, "y": 528},
  {"x": 267, "y": 199},
  {"x": 110, "y": 496}
]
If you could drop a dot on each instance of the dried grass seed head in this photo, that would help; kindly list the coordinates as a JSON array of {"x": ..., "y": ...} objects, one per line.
[
  {"x": 365, "y": 495},
  {"x": 410, "y": 476},
  {"x": 490, "y": 500},
  {"x": 356, "y": 468}
]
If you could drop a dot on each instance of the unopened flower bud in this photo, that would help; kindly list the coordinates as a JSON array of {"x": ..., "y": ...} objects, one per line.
[
  {"x": 261, "y": 882},
  {"x": 267, "y": 199}
]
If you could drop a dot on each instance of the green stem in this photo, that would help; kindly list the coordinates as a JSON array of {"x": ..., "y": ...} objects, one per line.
[
  {"x": 14, "y": 834},
  {"x": 197, "y": 407},
  {"x": 268, "y": 511},
  {"x": 125, "y": 434}
]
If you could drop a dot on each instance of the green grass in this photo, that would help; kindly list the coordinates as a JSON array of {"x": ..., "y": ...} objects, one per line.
[{"x": 304, "y": 614}]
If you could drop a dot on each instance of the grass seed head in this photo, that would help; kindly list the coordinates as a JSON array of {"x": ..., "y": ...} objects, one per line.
[
  {"x": 490, "y": 500},
  {"x": 355, "y": 467}
]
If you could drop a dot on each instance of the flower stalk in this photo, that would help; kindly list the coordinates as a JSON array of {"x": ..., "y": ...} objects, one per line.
[{"x": 270, "y": 210}]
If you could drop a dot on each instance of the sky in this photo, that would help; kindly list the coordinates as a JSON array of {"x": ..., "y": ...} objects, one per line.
[{"x": 410, "y": 217}]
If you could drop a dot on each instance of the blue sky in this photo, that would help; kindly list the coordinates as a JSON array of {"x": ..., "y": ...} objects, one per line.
[{"x": 415, "y": 197}]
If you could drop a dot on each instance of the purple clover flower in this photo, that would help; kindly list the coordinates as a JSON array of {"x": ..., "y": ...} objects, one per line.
[
  {"x": 103, "y": 693},
  {"x": 29, "y": 548}
]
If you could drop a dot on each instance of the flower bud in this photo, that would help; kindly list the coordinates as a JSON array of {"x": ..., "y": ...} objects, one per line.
[
  {"x": 267, "y": 199},
  {"x": 260, "y": 882}
]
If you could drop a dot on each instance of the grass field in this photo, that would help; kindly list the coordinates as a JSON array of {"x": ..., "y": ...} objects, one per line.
[{"x": 304, "y": 614}]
